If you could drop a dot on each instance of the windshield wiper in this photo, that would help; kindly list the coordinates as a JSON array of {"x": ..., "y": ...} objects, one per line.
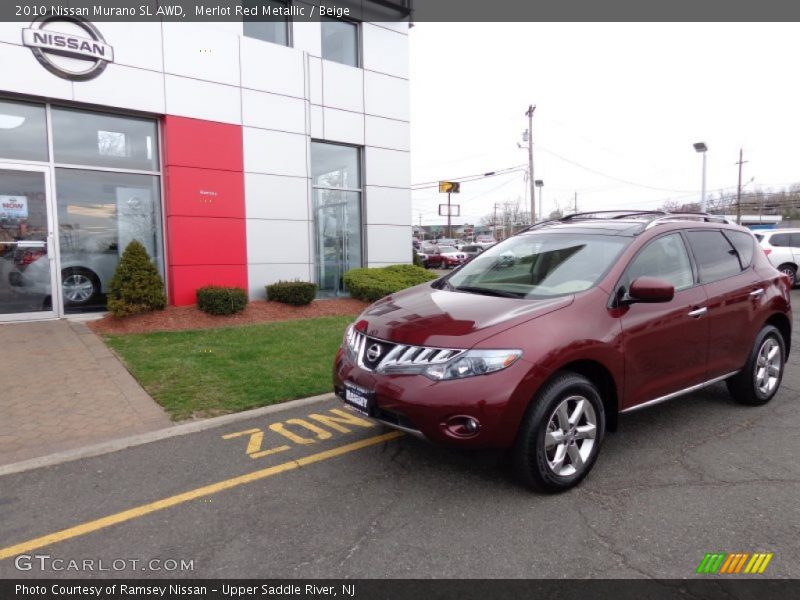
[{"x": 488, "y": 291}]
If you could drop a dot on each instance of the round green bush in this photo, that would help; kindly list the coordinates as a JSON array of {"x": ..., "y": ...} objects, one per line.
[
  {"x": 218, "y": 300},
  {"x": 136, "y": 286},
  {"x": 373, "y": 284},
  {"x": 296, "y": 293}
]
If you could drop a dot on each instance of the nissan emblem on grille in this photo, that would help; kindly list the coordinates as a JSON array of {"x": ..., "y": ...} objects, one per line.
[{"x": 373, "y": 353}]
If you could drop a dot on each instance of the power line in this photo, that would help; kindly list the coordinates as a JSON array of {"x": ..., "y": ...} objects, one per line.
[{"x": 467, "y": 178}]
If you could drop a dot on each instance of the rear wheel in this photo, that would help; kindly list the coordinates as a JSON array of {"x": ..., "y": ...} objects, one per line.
[
  {"x": 790, "y": 271},
  {"x": 759, "y": 380},
  {"x": 560, "y": 435}
]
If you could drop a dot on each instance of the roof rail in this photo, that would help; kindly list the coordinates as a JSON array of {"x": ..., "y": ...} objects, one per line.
[
  {"x": 688, "y": 216},
  {"x": 595, "y": 214}
]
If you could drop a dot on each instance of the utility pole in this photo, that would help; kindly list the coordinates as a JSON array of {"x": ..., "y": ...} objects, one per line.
[
  {"x": 421, "y": 230},
  {"x": 494, "y": 223},
  {"x": 529, "y": 114},
  {"x": 576, "y": 203},
  {"x": 739, "y": 190}
]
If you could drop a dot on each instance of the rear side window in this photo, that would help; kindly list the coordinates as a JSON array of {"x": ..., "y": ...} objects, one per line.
[
  {"x": 716, "y": 257},
  {"x": 743, "y": 243},
  {"x": 781, "y": 239},
  {"x": 665, "y": 258}
]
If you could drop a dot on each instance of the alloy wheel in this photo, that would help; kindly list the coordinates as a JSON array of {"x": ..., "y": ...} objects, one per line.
[
  {"x": 570, "y": 437},
  {"x": 77, "y": 288},
  {"x": 768, "y": 366}
]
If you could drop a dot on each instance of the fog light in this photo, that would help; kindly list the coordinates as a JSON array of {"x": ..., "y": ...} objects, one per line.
[{"x": 462, "y": 426}]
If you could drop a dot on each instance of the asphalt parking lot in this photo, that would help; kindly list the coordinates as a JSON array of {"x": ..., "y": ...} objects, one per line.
[{"x": 314, "y": 491}]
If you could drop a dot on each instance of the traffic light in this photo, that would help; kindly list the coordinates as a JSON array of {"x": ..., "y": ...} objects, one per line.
[{"x": 449, "y": 187}]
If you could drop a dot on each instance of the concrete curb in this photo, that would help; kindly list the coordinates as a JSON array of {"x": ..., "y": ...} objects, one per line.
[{"x": 155, "y": 436}]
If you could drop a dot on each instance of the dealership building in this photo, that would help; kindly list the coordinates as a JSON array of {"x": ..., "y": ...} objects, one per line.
[{"x": 239, "y": 154}]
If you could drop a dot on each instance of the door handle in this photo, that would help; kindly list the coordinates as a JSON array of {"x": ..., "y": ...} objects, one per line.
[
  {"x": 757, "y": 293},
  {"x": 698, "y": 312}
]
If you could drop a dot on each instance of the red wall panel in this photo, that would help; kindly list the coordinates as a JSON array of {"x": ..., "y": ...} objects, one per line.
[
  {"x": 205, "y": 192},
  {"x": 184, "y": 281},
  {"x": 204, "y": 204},
  {"x": 206, "y": 241},
  {"x": 204, "y": 144}
]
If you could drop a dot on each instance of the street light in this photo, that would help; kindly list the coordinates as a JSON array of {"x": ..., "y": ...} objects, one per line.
[
  {"x": 539, "y": 183},
  {"x": 702, "y": 148}
]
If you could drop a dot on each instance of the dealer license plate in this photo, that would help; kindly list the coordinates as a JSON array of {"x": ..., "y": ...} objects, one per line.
[{"x": 358, "y": 398}]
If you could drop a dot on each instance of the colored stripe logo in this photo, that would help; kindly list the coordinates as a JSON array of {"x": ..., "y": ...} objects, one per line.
[{"x": 721, "y": 563}]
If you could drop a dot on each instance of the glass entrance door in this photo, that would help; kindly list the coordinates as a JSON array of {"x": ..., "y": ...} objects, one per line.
[
  {"x": 338, "y": 225},
  {"x": 27, "y": 255}
]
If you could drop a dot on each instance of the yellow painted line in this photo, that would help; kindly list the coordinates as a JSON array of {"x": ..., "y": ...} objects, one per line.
[
  {"x": 767, "y": 558},
  {"x": 208, "y": 490}
]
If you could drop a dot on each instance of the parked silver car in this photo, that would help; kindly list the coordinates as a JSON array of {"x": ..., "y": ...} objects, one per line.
[{"x": 782, "y": 247}]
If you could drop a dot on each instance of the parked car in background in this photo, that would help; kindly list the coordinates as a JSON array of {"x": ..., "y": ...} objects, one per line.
[
  {"x": 782, "y": 247},
  {"x": 484, "y": 239},
  {"x": 443, "y": 257},
  {"x": 472, "y": 250},
  {"x": 591, "y": 316}
]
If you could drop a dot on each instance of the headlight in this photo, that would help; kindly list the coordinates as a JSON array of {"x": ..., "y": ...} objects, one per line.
[{"x": 472, "y": 363}]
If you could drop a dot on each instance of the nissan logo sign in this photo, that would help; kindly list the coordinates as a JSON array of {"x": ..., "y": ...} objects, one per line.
[
  {"x": 373, "y": 352},
  {"x": 69, "y": 47}
]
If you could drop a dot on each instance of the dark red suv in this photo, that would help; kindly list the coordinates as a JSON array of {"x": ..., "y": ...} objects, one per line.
[{"x": 540, "y": 342}]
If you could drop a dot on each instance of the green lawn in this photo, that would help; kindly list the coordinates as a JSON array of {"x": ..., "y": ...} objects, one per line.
[{"x": 215, "y": 371}]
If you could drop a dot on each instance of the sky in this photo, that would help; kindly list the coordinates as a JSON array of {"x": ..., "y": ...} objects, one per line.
[{"x": 618, "y": 107}]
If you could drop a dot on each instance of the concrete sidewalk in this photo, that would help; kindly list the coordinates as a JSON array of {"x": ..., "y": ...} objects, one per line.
[{"x": 61, "y": 388}]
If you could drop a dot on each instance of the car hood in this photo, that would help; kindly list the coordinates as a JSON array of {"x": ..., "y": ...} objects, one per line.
[{"x": 425, "y": 316}]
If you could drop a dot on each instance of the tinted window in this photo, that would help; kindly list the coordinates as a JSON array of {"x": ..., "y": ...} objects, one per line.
[
  {"x": 665, "y": 258},
  {"x": 269, "y": 28},
  {"x": 715, "y": 256},
  {"x": 340, "y": 41},
  {"x": 744, "y": 245},
  {"x": 759, "y": 236},
  {"x": 780, "y": 239},
  {"x": 794, "y": 240}
]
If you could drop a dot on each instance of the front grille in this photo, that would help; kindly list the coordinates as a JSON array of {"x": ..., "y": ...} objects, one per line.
[{"x": 374, "y": 354}]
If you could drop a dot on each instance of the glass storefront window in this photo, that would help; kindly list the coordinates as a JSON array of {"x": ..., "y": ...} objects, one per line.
[
  {"x": 99, "y": 214},
  {"x": 23, "y": 131},
  {"x": 104, "y": 140},
  {"x": 336, "y": 180}
]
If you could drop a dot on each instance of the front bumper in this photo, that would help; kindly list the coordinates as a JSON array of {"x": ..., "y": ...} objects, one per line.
[{"x": 418, "y": 405}]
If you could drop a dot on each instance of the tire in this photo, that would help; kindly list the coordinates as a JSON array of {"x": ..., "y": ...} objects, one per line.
[
  {"x": 544, "y": 468},
  {"x": 79, "y": 286},
  {"x": 759, "y": 380},
  {"x": 791, "y": 271}
]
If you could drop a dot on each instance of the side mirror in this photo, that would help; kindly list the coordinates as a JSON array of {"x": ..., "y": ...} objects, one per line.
[{"x": 650, "y": 289}]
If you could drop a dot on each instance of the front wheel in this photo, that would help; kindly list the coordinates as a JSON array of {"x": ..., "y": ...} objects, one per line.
[
  {"x": 79, "y": 285},
  {"x": 560, "y": 435},
  {"x": 761, "y": 377}
]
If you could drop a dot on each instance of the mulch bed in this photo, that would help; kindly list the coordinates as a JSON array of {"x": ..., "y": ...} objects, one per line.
[{"x": 178, "y": 318}]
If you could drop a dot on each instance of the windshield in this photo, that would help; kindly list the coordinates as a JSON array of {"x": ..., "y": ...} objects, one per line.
[{"x": 540, "y": 265}]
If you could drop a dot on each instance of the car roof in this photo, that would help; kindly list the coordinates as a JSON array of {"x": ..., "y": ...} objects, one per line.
[
  {"x": 628, "y": 223},
  {"x": 774, "y": 231}
]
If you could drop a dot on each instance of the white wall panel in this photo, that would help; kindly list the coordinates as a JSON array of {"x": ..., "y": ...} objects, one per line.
[
  {"x": 344, "y": 126},
  {"x": 386, "y": 96},
  {"x": 22, "y": 73},
  {"x": 342, "y": 86},
  {"x": 203, "y": 100},
  {"x": 307, "y": 36},
  {"x": 135, "y": 45},
  {"x": 277, "y": 241},
  {"x": 272, "y": 68},
  {"x": 274, "y": 152},
  {"x": 11, "y": 32},
  {"x": 390, "y": 168},
  {"x": 275, "y": 197},
  {"x": 124, "y": 87},
  {"x": 385, "y": 51},
  {"x": 388, "y": 206},
  {"x": 390, "y": 244},
  {"x": 387, "y": 133},
  {"x": 271, "y": 111},
  {"x": 315, "y": 80},
  {"x": 259, "y": 276},
  {"x": 316, "y": 129},
  {"x": 201, "y": 52}
]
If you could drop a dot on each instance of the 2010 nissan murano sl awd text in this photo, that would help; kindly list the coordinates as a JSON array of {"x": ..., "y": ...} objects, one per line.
[{"x": 540, "y": 342}]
